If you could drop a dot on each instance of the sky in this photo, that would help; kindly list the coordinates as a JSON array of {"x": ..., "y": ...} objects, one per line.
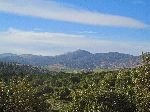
[{"x": 54, "y": 27}]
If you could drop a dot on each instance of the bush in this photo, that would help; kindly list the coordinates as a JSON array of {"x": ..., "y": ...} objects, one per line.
[{"x": 19, "y": 96}]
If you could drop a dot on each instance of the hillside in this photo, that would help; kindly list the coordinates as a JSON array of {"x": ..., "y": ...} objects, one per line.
[
  {"x": 78, "y": 59},
  {"x": 9, "y": 69},
  {"x": 124, "y": 90}
]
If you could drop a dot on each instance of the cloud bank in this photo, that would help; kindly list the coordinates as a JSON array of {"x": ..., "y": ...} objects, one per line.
[
  {"x": 47, "y": 43},
  {"x": 53, "y": 10}
]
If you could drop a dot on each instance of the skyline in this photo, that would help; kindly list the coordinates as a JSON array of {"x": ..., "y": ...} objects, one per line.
[{"x": 53, "y": 27}]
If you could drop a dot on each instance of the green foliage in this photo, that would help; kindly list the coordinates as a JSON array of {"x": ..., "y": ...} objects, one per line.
[
  {"x": 19, "y": 96},
  {"x": 124, "y": 90}
]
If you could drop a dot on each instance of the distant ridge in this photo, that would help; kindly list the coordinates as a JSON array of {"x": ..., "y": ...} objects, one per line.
[{"x": 81, "y": 59}]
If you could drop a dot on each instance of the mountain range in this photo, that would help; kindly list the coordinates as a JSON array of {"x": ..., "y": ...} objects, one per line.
[{"x": 79, "y": 59}]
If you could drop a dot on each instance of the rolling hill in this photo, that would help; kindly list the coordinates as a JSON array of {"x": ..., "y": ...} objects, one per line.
[{"x": 78, "y": 59}]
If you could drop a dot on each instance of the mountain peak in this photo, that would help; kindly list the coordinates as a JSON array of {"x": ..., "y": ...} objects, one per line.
[
  {"x": 82, "y": 51},
  {"x": 77, "y": 59}
]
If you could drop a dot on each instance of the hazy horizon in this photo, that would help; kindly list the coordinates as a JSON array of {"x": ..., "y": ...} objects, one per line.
[{"x": 67, "y": 53}]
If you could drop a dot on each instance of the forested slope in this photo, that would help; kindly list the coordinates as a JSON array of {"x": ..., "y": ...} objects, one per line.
[{"x": 124, "y": 90}]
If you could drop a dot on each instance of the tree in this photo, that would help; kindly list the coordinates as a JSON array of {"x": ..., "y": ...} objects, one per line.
[{"x": 19, "y": 96}]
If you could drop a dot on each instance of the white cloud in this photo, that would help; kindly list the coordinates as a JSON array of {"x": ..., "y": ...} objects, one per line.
[
  {"x": 87, "y": 32},
  {"x": 46, "y": 43},
  {"x": 52, "y": 10}
]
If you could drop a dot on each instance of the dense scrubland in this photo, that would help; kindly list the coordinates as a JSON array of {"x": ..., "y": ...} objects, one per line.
[{"x": 23, "y": 89}]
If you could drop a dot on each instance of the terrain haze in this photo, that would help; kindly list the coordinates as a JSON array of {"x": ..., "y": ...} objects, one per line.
[{"x": 79, "y": 59}]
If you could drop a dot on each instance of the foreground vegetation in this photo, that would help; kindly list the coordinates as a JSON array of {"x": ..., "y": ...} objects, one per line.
[{"x": 126, "y": 90}]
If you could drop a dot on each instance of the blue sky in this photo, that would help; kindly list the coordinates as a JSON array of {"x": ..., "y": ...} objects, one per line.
[{"x": 53, "y": 27}]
